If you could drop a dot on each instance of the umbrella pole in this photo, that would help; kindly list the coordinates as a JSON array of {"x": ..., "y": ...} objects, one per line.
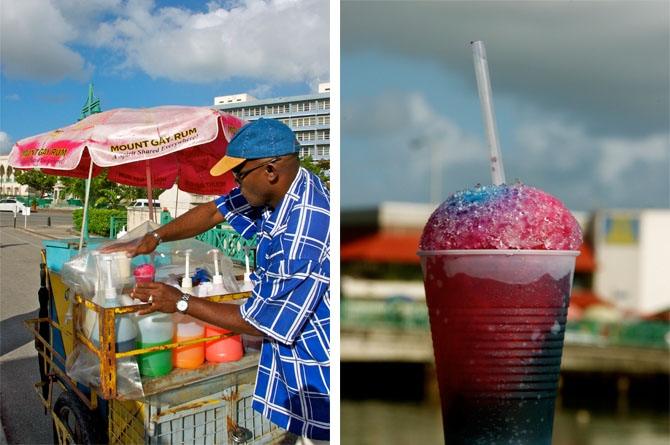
[
  {"x": 84, "y": 223},
  {"x": 149, "y": 193},
  {"x": 176, "y": 202}
]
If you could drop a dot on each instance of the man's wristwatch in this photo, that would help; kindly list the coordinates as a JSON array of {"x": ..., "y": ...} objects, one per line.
[
  {"x": 182, "y": 304},
  {"x": 155, "y": 235}
]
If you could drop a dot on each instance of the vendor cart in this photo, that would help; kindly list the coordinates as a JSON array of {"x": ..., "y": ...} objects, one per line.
[{"x": 210, "y": 404}]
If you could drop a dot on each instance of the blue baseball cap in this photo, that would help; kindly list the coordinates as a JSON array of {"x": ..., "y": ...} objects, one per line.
[{"x": 263, "y": 138}]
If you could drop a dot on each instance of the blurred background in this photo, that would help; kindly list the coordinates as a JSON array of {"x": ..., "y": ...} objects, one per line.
[{"x": 582, "y": 101}]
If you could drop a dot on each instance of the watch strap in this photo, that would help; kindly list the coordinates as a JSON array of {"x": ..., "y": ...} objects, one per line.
[{"x": 155, "y": 235}]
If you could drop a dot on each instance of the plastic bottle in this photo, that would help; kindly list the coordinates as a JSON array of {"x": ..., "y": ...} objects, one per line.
[
  {"x": 124, "y": 326},
  {"x": 125, "y": 329},
  {"x": 188, "y": 328},
  {"x": 227, "y": 349},
  {"x": 155, "y": 329}
]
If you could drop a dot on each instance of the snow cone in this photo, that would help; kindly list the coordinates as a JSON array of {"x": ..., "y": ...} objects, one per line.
[
  {"x": 498, "y": 263},
  {"x": 144, "y": 273}
]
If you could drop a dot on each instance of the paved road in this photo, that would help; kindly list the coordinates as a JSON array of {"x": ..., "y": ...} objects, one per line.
[{"x": 21, "y": 412}]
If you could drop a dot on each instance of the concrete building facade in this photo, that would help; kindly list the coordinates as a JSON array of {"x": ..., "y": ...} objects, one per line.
[{"x": 308, "y": 116}]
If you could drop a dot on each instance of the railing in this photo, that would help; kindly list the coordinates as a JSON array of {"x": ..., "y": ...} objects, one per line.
[
  {"x": 116, "y": 223},
  {"x": 231, "y": 243}
]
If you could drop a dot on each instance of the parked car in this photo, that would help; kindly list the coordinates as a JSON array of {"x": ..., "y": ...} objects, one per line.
[
  {"x": 11, "y": 205},
  {"x": 144, "y": 203}
]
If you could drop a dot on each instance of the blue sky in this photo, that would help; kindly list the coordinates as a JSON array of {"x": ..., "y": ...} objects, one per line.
[
  {"x": 580, "y": 90},
  {"x": 144, "y": 53}
]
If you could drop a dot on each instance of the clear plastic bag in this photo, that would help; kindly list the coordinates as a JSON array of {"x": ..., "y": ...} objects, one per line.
[{"x": 103, "y": 278}]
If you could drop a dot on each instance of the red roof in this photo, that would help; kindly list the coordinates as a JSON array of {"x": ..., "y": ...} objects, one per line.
[
  {"x": 383, "y": 248},
  {"x": 402, "y": 248}
]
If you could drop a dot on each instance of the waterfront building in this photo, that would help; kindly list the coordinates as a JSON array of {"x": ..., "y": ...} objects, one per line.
[
  {"x": 308, "y": 116},
  {"x": 8, "y": 186}
]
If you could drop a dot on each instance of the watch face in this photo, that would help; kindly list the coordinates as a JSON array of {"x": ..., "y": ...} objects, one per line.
[{"x": 182, "y": 305}]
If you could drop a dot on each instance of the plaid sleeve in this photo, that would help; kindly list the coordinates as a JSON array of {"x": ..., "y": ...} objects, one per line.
[
  {"x": 285, "y": 299},
  {"x": 237, "y": 211}
]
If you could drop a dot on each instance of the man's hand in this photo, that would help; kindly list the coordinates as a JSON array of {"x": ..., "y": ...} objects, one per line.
[
  {"x": 162, "y": 297},
  {"x": 138, "y": 246}
]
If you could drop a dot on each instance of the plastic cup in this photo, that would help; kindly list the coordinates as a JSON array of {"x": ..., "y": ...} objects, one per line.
[
  {"x": 144, "y": 278},
  {"x": 497, "y": 322},
  {"x": 144, "y": 273}
]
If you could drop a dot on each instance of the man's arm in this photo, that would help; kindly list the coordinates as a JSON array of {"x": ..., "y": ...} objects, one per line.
[{"x": 194, "y": 222}]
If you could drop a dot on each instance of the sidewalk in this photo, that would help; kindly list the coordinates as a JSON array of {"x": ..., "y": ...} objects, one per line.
[{"x": 53, "y": 232}]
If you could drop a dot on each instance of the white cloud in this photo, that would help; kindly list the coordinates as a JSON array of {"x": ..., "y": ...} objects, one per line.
[
  {"x": 619, "y": 154},
  {"x": 405, "y": 137},
  {"x": 35, "y": 38},
  {"x": 276, "y": 40},
  {"x": 5, "y": 143},
  {"x": 608, "y": 62},
  {"x": 394, "y": 152}
]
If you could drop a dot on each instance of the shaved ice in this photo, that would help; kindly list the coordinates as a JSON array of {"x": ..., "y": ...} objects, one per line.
[
  {"x": 144, "y": 273},
  {"x": 513, "y": 216}
]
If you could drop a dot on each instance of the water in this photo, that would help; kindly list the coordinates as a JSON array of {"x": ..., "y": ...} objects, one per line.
[{"x": 387, "y": 404}]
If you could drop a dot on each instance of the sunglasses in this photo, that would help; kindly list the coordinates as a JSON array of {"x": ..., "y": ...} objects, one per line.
[{"x": 239, "y": 176}]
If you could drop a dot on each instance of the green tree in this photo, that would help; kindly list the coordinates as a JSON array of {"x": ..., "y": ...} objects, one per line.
[
  {"x": 320, "y": 167},
  {"x": 36, "y": 180}
]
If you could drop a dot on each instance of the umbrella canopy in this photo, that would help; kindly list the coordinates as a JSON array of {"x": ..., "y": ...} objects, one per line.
[{"x": 148, "y": 147}]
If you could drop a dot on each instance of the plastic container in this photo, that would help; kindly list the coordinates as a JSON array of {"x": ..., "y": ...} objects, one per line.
[
  {"x": 144, "y": 273},
  {"x": 497, "y": 320},
  {"x": 124, "y": 327},
  {"x": 156, "y": 329},
  {"x": 188, "y": 328},
  {"x": 108, "y": 281},
  {"x": 227, "y": 349}
]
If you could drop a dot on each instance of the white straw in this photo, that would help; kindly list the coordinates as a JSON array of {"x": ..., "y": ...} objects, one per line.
[{"x": 486, "y": 100}]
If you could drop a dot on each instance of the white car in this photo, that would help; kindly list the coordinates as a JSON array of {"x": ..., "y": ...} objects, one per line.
[
  {"x": 11, "y": 205},
  {"x": 144, "y": 203}
]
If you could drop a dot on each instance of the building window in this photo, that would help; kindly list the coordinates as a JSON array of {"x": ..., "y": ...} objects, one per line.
[
  {"x": 323, "y": 135},
  {"x": 306, "y": 150},
  {"x": 304, "y": 121},
  {"x": 255, "y": 111},
  {"x": 303, "y": 106},
  {"x": 323, "y": 120},
  {"x": 305, "y": 135},
  {"x": 324, "y": 104},
  {"x": 323, "y": 150},
  {"x": 278, "y": 109}
]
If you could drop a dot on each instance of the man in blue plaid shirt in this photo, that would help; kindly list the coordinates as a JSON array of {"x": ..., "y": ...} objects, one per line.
[{"x": 288, "y": 208}]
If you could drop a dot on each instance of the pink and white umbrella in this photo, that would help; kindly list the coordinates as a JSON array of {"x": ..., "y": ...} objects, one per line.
[
  {"x": 170, "y": 142},
  {"x": 148, "y": 147}
]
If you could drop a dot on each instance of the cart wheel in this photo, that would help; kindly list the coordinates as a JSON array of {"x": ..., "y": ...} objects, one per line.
[{"x": 83, "y": 425}]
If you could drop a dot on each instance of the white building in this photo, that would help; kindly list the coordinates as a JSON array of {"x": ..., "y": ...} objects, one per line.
[
  {"x": 633, "y": 259},
  {"x": 308, "y": 116},
  {"x": 9, "y": 187}
]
